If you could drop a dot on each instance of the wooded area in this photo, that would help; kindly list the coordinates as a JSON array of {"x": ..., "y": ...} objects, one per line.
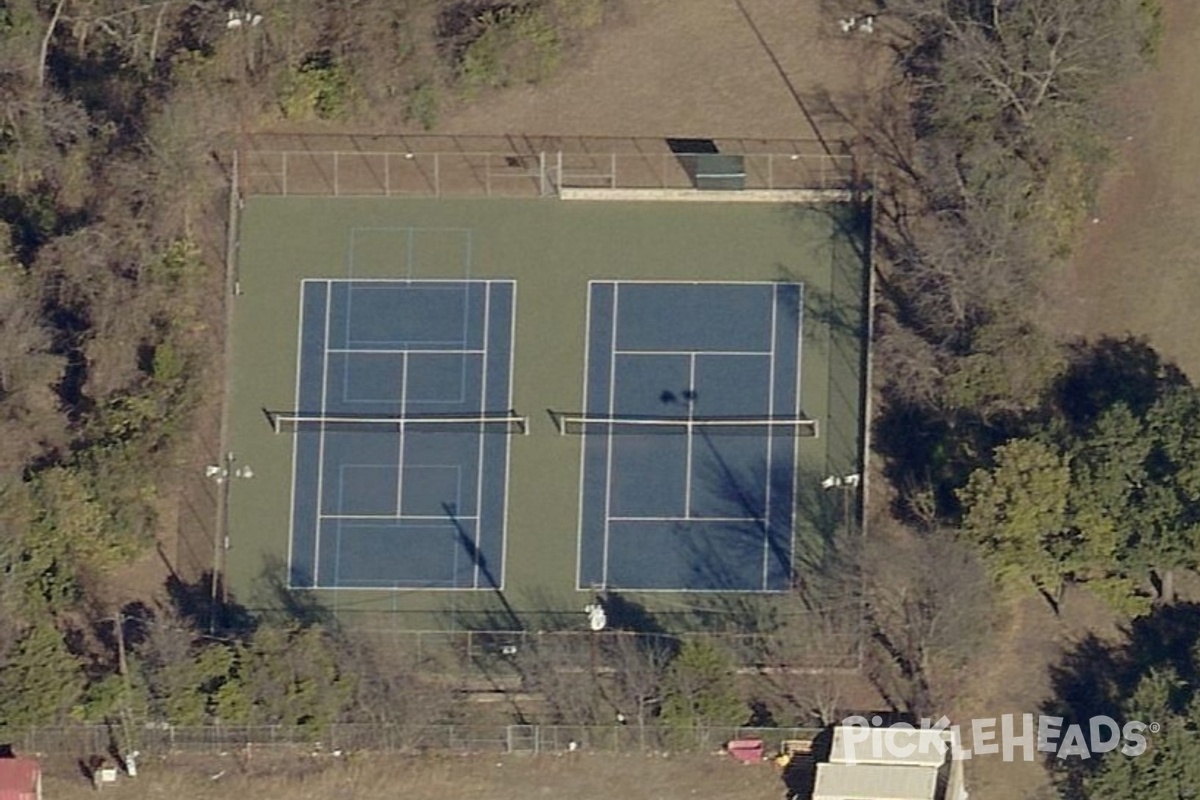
[{"x": 1016, "y": 463}]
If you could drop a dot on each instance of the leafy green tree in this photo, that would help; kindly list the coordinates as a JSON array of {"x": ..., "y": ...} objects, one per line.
[
  {"x": 1017, "y": 514},
  {"x": 114, "y": 697},
  {"x": 699, "y": 688},
  {"x": 285, "y": 675},
  {"x": 184, "y": 691},
  {"x": 1167, "y": 505},
  {"x": 1136, "y": 483},
  {"x": 1170, "y": 767},
  {"x": 40, "y": 680}
]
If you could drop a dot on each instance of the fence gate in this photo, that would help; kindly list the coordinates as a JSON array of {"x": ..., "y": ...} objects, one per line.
[{"x": 523, "y": 739}]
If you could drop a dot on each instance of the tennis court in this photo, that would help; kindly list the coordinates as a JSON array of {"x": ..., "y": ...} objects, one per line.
[
  {"x": 691, "y": 429},
  {"x": 385, "y": 336},
  {"x": 401, "y": 423}
]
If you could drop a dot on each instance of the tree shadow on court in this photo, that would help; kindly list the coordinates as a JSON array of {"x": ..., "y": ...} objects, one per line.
[
  {"x": 812, "y": 522},
  {"x": 626, "y": 614},
  {"x": 273, "y": 595},
  {"x": 840, "y": 310}
]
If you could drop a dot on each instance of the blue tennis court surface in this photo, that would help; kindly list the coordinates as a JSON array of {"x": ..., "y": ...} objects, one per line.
[
  {"x": 401, "y": 507},
  {"x": 702, "y": 509}
]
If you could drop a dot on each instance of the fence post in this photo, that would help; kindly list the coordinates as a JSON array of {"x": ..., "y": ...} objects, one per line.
[
  {"x": 335, "y": 173},
  {"x": 559, "y": 171},
  {"x": 437, "y": 175},
  {"x": 283, "y": 154},
  {"x": 387, "y": 174},
  {"x": 542, "y": 174}
]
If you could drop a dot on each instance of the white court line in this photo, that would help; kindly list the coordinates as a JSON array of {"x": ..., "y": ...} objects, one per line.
[
  {"x": 612, "y": 400},
  {"x": 337, "y": 526},
  {"x": 797, "y": 406},
  {"x": 487, "y": 311},
  {"x": 392, "y": 586},
  {"x": 693, "y": 352},
  {"x": 410, "y": 235},
  {"x": 770, "y": 439},
  {"x": 400, "y": 517},
  {"x": 337, "y": 552},
  {"x": 469, "y": 256},
  {"x": 583, "y": 445},
  {"x": 799, "y": 345},
  {"x": 447, "y": 343},
  {"x": 296, "y": 439},
  {"x": 755, "y": 520},
  {"x": 687, "y": 469},
  {"x": 321, "y": 434},
  {"x": 512, "y": 347},
  {"x": 403, "y": 438},
  {"x": 405, "y": 281},
  {"x": 407, "y": 351},
  {"x": 652, "y": 281}
]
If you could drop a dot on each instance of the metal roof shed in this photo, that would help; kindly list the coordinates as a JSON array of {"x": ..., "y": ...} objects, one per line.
[
  {"x": 874, "y": 782},
  {"x": 889, "y": 746},
  {"x": 20, "y": 779}
]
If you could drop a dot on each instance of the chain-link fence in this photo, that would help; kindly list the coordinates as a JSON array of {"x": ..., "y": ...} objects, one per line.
[
  {"x": 161, "y": 739},
  {"x": 807, "y": 649},
  {"x": 442, "y": 166}
]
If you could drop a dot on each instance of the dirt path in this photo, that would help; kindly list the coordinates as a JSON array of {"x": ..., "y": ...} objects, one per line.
[
  {"x": 1138, "y": 269},
  {"x": 1013, "y": 677},
  {"x": 722, "y": 68}
]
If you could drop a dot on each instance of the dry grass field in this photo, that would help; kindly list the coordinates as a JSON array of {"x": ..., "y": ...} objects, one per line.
[
  {"x": 704, "y": 68},
  {"x": 1135, "y": 270}
]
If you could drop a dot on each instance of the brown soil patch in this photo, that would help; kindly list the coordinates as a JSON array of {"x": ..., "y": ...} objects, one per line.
[
  {"x": 1012, "y": 676},
  {"x": 1136, "y": 269},
  {"x": 665, "y": 68}
]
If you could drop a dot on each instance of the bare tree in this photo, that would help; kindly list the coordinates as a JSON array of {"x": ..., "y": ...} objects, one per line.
[
  {"x": 638, "y": 663},
  {"x": 399, "y": 685},
  {"x": 928, "y": 604}
]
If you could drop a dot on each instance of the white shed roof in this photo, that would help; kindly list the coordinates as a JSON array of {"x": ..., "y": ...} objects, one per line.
[
  {"x": 890, "y": 746},
  {"x": 874, "y": 782}
]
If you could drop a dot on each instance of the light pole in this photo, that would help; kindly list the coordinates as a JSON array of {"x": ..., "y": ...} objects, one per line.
[
  {"x": 221, "y": 474},
  {"x": 847, "y": 484}
]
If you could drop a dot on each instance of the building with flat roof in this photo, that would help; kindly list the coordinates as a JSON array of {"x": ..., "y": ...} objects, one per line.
[{"x": 898, "y": 763}]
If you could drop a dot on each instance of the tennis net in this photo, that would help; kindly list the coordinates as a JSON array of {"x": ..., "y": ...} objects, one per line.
[
  {"x": 505, "y": 423},
  {"x": 584, "y": 425}
]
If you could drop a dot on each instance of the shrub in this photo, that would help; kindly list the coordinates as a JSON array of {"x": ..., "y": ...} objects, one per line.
[
  {"x": 319, "y": 89},
  {"x": 512, "y": 45}
]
